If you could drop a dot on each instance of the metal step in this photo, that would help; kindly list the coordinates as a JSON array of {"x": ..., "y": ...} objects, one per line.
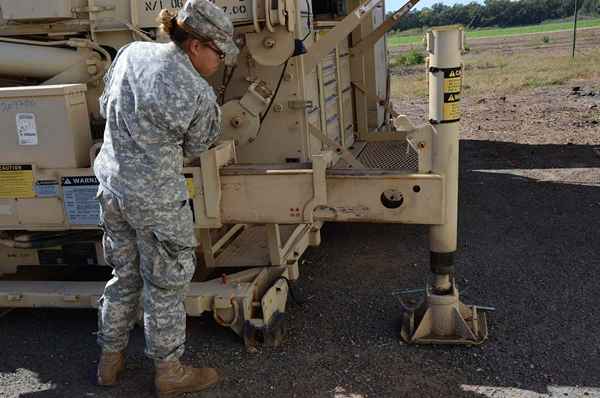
[
  {"x": 28, "y": 294},
  {"x": 384, "y": 155},
  {"x": 43, "y": 294}
]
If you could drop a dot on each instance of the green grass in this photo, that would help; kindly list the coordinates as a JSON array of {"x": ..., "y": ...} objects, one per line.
[
  {"x": 399, "y": 39},
  {"x": 409, "y": 58},
  {"x": 491, "y": 72}
]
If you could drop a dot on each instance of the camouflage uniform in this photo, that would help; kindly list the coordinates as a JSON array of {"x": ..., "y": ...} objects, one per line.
[{"x": 158, "y": 110}]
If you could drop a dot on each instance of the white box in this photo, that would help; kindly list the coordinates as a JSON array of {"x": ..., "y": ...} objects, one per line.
[
  {"x": 45, "y": 125},
  {"x": 21, "y": 10}
]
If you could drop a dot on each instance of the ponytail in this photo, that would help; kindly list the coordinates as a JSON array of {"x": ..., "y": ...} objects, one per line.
[{"x": 168, "y": 25}]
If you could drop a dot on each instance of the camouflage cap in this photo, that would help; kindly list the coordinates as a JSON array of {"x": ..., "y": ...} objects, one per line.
[{"x": 207, "y": 20}]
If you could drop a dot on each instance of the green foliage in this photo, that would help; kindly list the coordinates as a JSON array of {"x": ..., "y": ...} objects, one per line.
[
  {"x": 591, "y": 7},
  {"x": 546, "y": 39},
  {"x": 500, "y": 13},
  {"x": 411, "y": 57},
  {"x": 402, "y": 39}
]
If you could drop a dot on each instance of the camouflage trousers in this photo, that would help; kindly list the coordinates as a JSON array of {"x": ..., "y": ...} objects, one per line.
[{"x": 152, "y": 253}]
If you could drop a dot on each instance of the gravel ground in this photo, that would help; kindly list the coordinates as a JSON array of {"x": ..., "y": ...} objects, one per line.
[{"x": 529, "y": 216}]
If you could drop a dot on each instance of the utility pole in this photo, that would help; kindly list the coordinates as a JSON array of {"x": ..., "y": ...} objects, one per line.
[{"x": 575, "y": 27}]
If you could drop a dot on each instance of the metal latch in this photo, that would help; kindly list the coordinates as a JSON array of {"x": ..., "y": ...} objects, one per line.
[
  {"x": 71, "y": 298},
  {"x": 300, "y": 104},
  {"x": 14, "y": 297},
  {"x": 257, "y": 98},
  {"x": 93, "y": 9}
]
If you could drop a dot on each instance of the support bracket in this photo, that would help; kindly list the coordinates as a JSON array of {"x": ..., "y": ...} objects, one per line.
[{"x": 444, "y": 319}]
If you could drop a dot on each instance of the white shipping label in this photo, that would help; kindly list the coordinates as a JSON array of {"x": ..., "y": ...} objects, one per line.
[
  {"x": 147, "y": 10},
  {"x": 26, "y": 129},
  {"x": 236, "y": 10},
  {"x": 7, "y": 210}
]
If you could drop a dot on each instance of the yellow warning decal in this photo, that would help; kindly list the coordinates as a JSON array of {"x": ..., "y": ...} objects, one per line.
[
  {"x": 452, "y": 80},
  {"x": 451, "y": 107},
  {"x": 452, "y": 89},
  {"x": 189, "y": 182},
  {"x": 16, "y": 181}
]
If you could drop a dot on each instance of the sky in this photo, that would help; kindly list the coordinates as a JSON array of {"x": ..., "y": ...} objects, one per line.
[{"x": 391, "y": 5}]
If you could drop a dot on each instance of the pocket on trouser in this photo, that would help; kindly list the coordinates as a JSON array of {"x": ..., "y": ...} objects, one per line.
[
  {"x": 119, "y": 239},
  {"x": 175, "y": 263}
]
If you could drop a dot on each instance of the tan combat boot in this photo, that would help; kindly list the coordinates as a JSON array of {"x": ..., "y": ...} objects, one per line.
[
  {"x": 172, "y": 378},
  {"x": 110, "y": 366}
]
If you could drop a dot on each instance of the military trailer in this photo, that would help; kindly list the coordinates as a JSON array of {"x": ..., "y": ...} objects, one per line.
[{"x": 309, "y": 137}]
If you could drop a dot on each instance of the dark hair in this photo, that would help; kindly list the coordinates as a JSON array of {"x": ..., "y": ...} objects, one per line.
[{"x": 169, "y": 25}]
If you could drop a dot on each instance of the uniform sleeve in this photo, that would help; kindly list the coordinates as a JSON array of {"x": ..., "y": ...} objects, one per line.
[
  {"x": 107, "y": 81},
  {"x": 205, "y": 126}
]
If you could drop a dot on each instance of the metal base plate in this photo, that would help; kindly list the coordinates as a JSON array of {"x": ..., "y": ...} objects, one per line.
[{"x": 443, "y": 319}]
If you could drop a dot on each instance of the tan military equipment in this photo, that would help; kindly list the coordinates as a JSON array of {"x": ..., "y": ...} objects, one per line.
[{"x": 308, "y": 138}]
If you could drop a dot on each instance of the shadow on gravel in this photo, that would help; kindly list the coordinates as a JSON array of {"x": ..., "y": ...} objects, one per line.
[
  {"x": 527, "y": 247},
  {"x": 530, "y": 247},
  {"x": 507, "y": 155}
]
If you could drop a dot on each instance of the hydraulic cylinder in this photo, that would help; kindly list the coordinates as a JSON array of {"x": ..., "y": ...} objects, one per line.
[
  {"x": 444, "y": 46},
  {"x": 442, "y": 318}
]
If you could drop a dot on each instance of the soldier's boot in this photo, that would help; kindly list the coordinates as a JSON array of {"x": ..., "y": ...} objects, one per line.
[
  {"x": 172, "y": 378},
  {"x": 110, "y": 366}
]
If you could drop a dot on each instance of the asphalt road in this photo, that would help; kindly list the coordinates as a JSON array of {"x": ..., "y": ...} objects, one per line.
[{"x": 528, "y": 247}]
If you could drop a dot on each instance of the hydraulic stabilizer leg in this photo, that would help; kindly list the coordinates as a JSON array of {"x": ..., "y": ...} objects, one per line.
[{"x": 442, "y": 318}]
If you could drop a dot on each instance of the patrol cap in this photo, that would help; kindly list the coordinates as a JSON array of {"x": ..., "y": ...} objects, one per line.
[{"x": 205, "y": 19}]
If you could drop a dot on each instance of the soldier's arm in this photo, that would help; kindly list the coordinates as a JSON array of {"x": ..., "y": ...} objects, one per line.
[
  {"x": 107, "y": 81},
  {"x": 205, "y": 126}
]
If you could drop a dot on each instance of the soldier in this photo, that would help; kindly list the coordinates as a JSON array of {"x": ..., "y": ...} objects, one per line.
[{"x": 158, "y": 109}]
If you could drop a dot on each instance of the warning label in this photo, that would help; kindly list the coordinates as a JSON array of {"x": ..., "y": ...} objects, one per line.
[
  {"x": 46, "y": 188},
  {"x": 189, "y": 182},
  {"x": 452, "y": 89},
  {"x": 80, "y": 202},
  {"x": 16, "y": 181},
  {"x": 452, "y": 80},
  {"x": 451, "y": 107}
]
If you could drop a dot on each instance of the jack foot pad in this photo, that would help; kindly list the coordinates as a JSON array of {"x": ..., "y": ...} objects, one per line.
[{"x": 443, "y": 319}]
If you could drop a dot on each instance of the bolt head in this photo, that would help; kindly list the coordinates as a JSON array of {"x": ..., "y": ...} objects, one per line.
[
  {"x": 269, "y": 42},
  {"x": 236, "y": 122}
]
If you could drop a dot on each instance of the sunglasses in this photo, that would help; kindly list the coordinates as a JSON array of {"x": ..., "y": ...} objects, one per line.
[{"x": 219, "y": 53}]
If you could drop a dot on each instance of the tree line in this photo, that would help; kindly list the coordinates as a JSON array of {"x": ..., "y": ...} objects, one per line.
[{"x": 502, "y": 13}]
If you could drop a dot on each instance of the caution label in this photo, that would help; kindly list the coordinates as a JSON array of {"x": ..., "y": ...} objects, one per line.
[
  {"x": 452, "y": 91},
  {"x": 451, "y": 107},
  {"x": 189, "y": 182},
  {"x": 80, "y": 202},
  {"x": 16, "y": 181}
]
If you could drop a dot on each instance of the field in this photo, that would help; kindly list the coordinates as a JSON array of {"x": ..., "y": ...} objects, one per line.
[
  {"x": 528, "y": 245},
  {"x": 403, "y": 39},
  {"x": 512, "y": 63}
]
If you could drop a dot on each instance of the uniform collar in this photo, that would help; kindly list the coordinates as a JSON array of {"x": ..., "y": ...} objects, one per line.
[{"x": 183, "y": 58}]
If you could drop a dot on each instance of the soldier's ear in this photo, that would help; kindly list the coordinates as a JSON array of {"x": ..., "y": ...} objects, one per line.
[{"x": 196, "y": 47}]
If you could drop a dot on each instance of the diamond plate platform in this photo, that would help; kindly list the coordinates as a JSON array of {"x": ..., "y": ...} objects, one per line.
[
  {"x": 390, "y": 155},
  {"x": 386, "y": 155}
]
